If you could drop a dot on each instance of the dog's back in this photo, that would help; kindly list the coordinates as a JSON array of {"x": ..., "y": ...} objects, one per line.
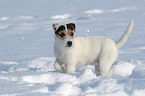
[{"x": 91, "y": 47}]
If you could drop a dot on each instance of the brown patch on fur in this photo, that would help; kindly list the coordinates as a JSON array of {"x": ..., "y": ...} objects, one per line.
[
  {"x": 72, "y": 27},
  {"x": 71, "y": 33}
]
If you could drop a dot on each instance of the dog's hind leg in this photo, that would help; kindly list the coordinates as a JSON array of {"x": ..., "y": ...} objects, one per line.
[
  {"x": 97, "y": 70},
  {"x": 104, "y": 67},
  {"x": 106, "y": 60},
  {"x": 58, "y": 66}
]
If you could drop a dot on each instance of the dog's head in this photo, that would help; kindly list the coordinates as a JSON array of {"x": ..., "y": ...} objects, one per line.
[{"x": 65, "y": 34}]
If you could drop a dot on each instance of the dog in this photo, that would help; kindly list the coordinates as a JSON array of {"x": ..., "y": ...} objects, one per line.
[{"x": 71, "y": 52}]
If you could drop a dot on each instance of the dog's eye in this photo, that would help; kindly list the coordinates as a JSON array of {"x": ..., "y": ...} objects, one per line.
[
  {"x": 62, "y": 34},
  {"x": 72, "y": 34}
]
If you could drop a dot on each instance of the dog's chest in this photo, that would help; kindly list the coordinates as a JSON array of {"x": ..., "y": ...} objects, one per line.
[{"x": 63, "y": 54}]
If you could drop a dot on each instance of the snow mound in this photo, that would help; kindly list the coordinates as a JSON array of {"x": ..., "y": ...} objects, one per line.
[
  {"x": 38, "y": 76},
  {"x": 122, "y": 69},
  {"x": 41, "y": 90},
  {"x": 42, "y": 64},
  {"x": 67, "y": 89}
]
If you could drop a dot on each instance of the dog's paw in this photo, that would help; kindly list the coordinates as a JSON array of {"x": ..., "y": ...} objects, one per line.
[{"x": 70, "y": 69}]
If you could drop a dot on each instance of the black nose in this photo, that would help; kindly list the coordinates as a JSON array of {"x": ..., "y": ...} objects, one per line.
[{"x": 69, "y": 43}]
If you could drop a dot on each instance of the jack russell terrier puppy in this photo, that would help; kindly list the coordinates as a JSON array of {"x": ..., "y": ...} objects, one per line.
[{"x": 72, "y": 52}]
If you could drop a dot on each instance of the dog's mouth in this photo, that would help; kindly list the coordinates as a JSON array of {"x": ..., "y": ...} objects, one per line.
[{"x": 68, "y": 46}]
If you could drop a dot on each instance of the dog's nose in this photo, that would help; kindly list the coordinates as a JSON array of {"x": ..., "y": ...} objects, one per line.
[{"x": 69, "y": 43}]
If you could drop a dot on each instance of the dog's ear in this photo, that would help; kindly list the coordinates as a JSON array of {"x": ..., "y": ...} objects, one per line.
[
  {"x": 71, "y": 26},
  {"x": 55, "y": 26}
]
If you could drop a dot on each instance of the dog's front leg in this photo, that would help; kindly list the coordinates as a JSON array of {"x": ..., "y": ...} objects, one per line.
[
  {"x": 58, "y": 66},
  {"x": 70, "y": 65},
  {"x": 70, "y": 68}
]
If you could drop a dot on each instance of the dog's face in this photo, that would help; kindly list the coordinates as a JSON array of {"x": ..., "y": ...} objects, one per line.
[{"x": 65, "y": 34}]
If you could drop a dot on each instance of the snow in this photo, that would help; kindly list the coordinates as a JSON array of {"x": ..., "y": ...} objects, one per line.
[
  {"x": 64, "y": 16},
  {"x": 27, "y": 40},
  {"x": 125, "y": 66},
  {"x": 99, "y": 11},
  {"x": 94, "y": 11},
  {"x": 4, "y": 18},
  {"x": 34, "y": 77}
]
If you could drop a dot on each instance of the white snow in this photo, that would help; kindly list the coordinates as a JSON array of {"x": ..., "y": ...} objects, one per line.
[
  {"x": 44, "y": 78},
  {"x": 4, "y": 18},
  {"x": 41, "y": 90},
  {"x": 83, "y": 82},
  {"x": 27, "y": 40},
  {"x": 142, "y": 48},
  {"x": 117, "y": 10},
  {"x": 63, "y": 16},
  {"x": 9, "y": 94},
  {"x": 94, "y": 11},
  {"x": 4, "y": 27},
  {"x": 122, "y": 69},
  {"x": 9, "y": 62},
  {"x": 100, "y": 11},
  {"x": 88, "y": 30},
  {"x": 26, "y": 17}
]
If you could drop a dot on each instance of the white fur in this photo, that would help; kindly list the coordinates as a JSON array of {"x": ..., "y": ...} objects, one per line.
[{"x": 97, "y": 50}]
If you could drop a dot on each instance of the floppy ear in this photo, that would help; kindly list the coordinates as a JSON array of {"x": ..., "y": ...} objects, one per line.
[
  {"x": 71, "y": 26},
  {"x": 55, "y": 26}
]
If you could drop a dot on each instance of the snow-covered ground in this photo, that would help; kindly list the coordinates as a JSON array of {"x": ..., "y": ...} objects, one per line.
[{"x": 27, "y": 40}]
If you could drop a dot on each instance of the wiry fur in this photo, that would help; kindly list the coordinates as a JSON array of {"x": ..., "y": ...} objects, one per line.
[{"x": 97, "y": 50}]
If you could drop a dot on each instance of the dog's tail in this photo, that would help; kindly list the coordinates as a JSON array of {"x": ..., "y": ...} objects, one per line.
[{"x": 124, "y": 37}]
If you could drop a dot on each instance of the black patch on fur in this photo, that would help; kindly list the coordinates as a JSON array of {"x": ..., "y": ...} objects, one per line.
[
  {"x": 72, "y": 34},
  {"x": 61, "y": 28},
  {"x": 62, "y": 35},
  {"x": 71, "y": 26}
]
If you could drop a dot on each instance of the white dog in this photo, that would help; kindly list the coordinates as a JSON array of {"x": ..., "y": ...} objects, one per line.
[{"x": 72, "y": 52}]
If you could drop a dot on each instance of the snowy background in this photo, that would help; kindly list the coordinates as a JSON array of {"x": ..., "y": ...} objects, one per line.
[{"x": 27, "y": 40}]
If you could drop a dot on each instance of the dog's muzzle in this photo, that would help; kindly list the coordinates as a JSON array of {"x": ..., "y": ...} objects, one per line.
[{"x": 69, "y": 43}]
